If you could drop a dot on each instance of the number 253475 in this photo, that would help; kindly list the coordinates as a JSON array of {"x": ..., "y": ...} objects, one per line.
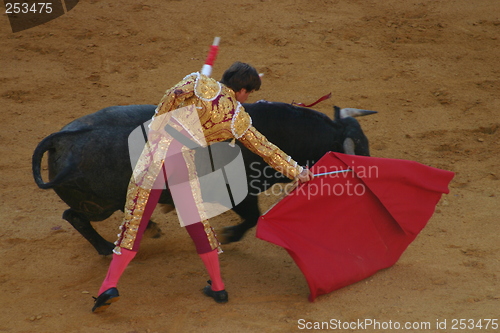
[{"x": 26, "y": 8}]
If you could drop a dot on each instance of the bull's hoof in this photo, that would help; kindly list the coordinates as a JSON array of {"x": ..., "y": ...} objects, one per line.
[
  {"x": 229, "y": 235},
  {"x": 105, "y": 249},
  {"x": 153, "y": 230}
]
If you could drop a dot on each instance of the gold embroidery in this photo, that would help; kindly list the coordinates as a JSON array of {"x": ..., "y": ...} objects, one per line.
[
  {"x": 227, "y": 102},
  {"x": 219, "y": 110},
  {"x": 218, "y": 113},
  {"x": 206, "y": 88},
  {"x": 176, "y": 95},
  {"x": 241, "y": 123},
  {"x": 189, "y": 120},
  {"x": 132, "y": 219},
  {"x": 275, "y": 157}
]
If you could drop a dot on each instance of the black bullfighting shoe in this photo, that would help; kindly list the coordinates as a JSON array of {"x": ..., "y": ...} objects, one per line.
[
  {"x": 104, "y": 300},
  {"x": 220, "y": 296}
]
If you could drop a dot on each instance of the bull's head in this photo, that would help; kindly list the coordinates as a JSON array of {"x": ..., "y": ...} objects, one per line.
[{"x": 355, "y": 142}]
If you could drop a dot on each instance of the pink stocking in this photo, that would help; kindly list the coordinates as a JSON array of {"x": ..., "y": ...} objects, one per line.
[
  {"x": 116, "y": 269},
  {"x": 211, "y": 261}
]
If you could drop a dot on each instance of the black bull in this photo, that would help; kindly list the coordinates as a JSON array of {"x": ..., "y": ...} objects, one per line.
[{"x": 89, "y": 165}]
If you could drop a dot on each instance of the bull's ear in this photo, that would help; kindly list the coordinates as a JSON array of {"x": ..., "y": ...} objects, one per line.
[
  {"x": 336, "y": 113},
  {"x": 349, "y": 146}
]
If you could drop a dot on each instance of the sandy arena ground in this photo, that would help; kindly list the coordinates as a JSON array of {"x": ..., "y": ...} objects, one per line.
[{"x": 430, "y": 67}]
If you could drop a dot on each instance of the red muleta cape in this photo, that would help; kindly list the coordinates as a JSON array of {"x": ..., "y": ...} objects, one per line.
[{"x": 343, "y": 228}]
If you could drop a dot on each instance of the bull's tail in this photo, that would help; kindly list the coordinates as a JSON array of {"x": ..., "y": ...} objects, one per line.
[{"x": 45, "y": 145}]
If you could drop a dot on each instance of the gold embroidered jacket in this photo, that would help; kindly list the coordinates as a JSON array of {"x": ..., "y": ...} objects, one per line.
[{"x": 222, "y": 117}]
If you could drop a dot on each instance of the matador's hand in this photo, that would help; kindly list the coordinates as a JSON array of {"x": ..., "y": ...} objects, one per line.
[{"x": 306, "y": 175}]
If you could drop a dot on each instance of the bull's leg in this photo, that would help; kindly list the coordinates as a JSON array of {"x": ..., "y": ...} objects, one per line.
[
  {"x": 248, "y": 209},
  {"x": 83, "y": 226},
  {"x": 153, "y": 230}
]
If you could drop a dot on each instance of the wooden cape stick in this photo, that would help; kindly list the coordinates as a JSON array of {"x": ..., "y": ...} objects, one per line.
[
  {"x": 212, "y": 54},
  {"x": 331, "y": 172}
]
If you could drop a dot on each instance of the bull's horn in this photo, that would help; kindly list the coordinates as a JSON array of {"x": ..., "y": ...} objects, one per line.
[
  {"x": 351, "y": 112},
  {"x": 349, "y": 146}
]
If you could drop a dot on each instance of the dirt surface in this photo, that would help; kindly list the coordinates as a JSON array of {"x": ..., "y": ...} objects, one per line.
[{"x": 430, "y": 68}]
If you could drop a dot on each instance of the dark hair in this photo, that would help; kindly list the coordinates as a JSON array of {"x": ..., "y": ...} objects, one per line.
[{"x": 241, "y": 76}]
